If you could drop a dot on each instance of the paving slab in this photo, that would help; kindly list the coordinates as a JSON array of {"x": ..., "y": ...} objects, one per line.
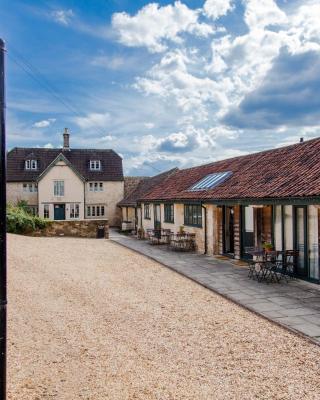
[{"x": 294, "y": 305}]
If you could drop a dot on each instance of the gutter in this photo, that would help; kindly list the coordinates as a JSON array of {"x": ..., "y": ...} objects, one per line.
[{"x": 244, "y": 201}]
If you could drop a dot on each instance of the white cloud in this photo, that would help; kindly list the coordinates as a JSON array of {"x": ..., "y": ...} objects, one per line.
[
  {"x": 48, "y": 146},
  {"x": 172, "y": 80},
  {"x": 261, "y": 13},
  {"x": 44, "y": 123},
  {"x": 93, "y": 120},
  {"x": 149, "y": 125},
  {"x": 63, "y": 17},
  {"x": 217, "y": 8},
  {"x": 109, "y": 62},
  {"x": 107, "y": 138},
  {"x": 304, "y": 31},
  {"x": 153, "y": 26}
]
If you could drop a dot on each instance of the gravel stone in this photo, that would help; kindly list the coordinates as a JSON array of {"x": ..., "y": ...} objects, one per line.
[{"x": 89, "y": 319}]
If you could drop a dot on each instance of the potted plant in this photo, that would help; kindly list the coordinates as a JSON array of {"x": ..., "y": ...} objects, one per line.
[{"x": 267, "y": 246}]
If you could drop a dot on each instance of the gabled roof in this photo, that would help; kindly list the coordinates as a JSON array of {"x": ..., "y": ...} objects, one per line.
[
  {"x": 111, "y": 163},
  {"x": 291, "y": 171},
  {"x": 144, "y": 187},
  {"x": 60, "y": 157}
]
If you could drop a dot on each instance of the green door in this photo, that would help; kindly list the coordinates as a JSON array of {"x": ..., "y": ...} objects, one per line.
[{"x": 59, "y": 212}]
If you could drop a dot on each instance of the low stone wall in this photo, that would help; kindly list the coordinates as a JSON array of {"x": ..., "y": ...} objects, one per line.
[{"x": 84, "y": 228}]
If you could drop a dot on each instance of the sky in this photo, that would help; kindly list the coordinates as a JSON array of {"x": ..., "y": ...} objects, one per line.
[{"x": 165, "y": 84}]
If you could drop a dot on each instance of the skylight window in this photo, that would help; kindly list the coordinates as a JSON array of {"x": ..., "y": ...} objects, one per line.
[{"x": 211, "y": 181}]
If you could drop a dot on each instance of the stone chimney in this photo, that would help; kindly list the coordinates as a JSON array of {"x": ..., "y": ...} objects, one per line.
[{"x": 66, "y": 136}]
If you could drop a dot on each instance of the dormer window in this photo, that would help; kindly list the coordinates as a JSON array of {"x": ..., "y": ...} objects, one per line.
[
  {"x": 95, "y": 165},
  {"x": 31, "y": 165}
]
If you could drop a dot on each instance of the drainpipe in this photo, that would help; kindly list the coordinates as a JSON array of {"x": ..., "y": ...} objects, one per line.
[
  {"x": 205, "y": 230},
  {"x": 3, "y": 234}
]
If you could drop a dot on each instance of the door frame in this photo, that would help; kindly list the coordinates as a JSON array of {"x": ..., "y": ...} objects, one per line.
[
  {"x": 243, "y": 254},
  {"x": 224, "y": 210},
  {"x": 155, "y": 206},
  {"x": 64, "y": 211},
  {"x": 306, "y": 241}
]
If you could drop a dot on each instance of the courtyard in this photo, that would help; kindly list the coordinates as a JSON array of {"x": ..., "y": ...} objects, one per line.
[{"x": 89, "y": 319}]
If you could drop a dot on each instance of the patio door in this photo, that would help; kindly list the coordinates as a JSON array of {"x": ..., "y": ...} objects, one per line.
[
  {"x": 157, "y": 216},
  {"x": 300, "y": 239},
  {"x": 228, "y": 230},
  {"x": 247, "y": 224}
]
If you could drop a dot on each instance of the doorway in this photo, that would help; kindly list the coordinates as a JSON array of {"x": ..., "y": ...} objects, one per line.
[
  {"x": 247, "y": 224},
  {"x": 228, "y": 230},
  {"x": 157, "y": 216},
  {"x": 300, "y": 239},
  {"x": 59, "y": 212}
]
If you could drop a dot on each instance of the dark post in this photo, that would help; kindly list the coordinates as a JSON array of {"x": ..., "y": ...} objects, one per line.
[{"x": 3, "y": 240}]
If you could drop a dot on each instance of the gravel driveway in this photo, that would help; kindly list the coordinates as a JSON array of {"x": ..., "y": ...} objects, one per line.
[{"x": 89, "y": 319}]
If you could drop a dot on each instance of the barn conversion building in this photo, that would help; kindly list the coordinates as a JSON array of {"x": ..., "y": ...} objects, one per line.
[{"x": 239, "y": 203}]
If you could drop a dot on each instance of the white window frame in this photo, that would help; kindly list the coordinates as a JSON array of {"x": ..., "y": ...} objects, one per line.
[
  {"x": 74, "y": 210},
  {"x": 30, "y": 187},
  {"x": 95, "y": 210},
  {"x": 31, "y": 165},
  {"x": 46, "y": 211},
  {"x": 34, "y": 164},
  {"x": 95, "y": 186},
  {"x": 95, "y": 165},
  {"x": 58, "y": 188}
]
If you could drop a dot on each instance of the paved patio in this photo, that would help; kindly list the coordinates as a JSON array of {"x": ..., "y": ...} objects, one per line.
[{"x": 295, "y": 305}]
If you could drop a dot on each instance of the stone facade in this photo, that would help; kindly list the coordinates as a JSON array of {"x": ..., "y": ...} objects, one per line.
[
  {"x": 84, "y": 228},
  {"x": 15, "y": 193}
]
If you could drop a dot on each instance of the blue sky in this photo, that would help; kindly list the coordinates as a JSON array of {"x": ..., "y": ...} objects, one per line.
[{"x": 164, "y": 84}]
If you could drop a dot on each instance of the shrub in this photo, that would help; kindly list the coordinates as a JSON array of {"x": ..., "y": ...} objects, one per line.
[{"x": 20, "y": 221}]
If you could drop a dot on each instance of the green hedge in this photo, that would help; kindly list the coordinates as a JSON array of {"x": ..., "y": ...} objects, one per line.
[{"x": 20, "y": 221}]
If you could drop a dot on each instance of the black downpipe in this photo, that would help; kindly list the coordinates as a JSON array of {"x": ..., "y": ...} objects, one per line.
[
  {"x": 205, "y": 230},
  {"x": 3, "y": 237}
]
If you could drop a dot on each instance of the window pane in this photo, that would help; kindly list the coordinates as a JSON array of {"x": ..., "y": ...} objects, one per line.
[
  {"x": 89, "y": 211},
  {"x": 102, "y": 210},
  {"x": 46, "y": 211}
]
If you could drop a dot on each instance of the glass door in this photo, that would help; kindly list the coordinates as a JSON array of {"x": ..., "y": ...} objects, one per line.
[
  {"x": 247, "y": 230},
  {"x": 300, "y": 239},
  {"x": 157, "y": 216},
  {"x": 229, "y": 230}
]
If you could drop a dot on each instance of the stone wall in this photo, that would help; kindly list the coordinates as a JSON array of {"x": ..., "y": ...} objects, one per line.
[{"x": 83, "y": 228}]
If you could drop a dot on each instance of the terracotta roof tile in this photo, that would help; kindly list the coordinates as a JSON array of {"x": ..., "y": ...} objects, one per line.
[
  {"x": 144, "y": 187},
  {"x": 291, "y": 171}
]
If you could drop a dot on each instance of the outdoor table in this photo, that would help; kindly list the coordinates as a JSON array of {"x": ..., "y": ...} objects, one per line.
[{"x": 265, "y": 266}]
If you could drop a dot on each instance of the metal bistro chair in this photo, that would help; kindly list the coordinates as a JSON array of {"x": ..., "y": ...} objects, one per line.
[
  {"x": 254, "y": 265},
  {"x": 273, "y": 262},
  {"x": 290, "y": 264}
]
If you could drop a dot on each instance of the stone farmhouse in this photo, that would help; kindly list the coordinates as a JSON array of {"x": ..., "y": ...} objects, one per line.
[
  {"x": 239, "y": 203},
  {"x": 66, "y": 184}
]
